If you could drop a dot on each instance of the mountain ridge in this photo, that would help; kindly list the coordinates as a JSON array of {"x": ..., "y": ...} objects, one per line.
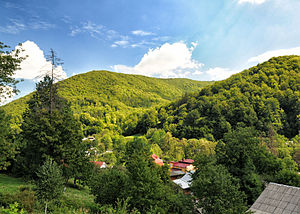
[
  {"x": 109, "y": 96},
  {"x": 266, "y": 96}
]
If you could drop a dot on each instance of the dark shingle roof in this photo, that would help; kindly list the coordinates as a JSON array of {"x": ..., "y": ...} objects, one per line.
[{"x": 278, "y": 199}]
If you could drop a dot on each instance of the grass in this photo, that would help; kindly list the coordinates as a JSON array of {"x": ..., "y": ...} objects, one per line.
[
  {"x": 72, "y": 198},
  {"x": 81, "y": 198},
  {"x": 10, "y": 184}
]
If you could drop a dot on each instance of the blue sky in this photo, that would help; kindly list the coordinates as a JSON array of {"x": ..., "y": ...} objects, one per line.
[{"x": 197, "y": 39}]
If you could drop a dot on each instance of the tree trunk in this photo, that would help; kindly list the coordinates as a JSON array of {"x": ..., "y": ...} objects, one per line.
[{"x": 46, "y": 208}]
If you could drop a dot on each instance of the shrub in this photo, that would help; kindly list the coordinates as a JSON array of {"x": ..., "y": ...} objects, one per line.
[{"x": 13, "y": 209}]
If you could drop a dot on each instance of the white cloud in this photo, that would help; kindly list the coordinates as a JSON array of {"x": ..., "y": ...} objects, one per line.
[
  {"x": 217, "y": 73},
  {"x": 269, "y": 54},
  {"x": 169, "y": 60},
  {"x": 94, "y": 30},
  {"x": 15, "y": 26},
  {"x": 251, "y": 1},
  {"x": 161, "y": 38},
  {"x": 121, "y": 42},
  {"x": 41, "y": 25},
  {"x": 141, "y": 33},
  {"x": 35, "y": 65},
  {"x": 174, "y": 61}
]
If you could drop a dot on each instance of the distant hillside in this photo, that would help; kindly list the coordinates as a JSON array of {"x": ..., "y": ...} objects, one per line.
[
  {"x": 102, "y": 98},
  {"x": 266, "y": 96}
]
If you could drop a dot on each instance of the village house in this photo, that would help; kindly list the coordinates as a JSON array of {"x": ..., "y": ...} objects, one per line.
[
  {"x": 184, "y": 165},
  {"x": 185, "y": 182},
  {"x": 157, "y": 160},
  {"x": 100, "y": 164}
]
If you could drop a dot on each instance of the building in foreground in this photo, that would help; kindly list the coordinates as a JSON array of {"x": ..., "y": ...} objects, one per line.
[{"x": 278, "y": 199}]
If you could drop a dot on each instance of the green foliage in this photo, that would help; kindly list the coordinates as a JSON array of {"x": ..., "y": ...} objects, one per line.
[
  {"x": 72, "y": 201},
  {"x": 237, "y": 154},
  {"x": 9, "y": 184},
  {"x": 121, "y": 207},
  {"x": 262, "y": 96},
  {"x": 238, "y": 150},
  {"x": 23, "y": 195},
  {"x": 9, "y": 63},
  {"x": 109, "y": 185},
  {"x": 145, "y": 186},
  {"x": 50, "y": 182},
  {"x": 287, "y": 177},
  {"x": 102, "y": 99},
  {"x": 13, "y": 209},
  {"x": 150, "y": 189},
  {"x": 50, "y": 129},
  {"x": 170, "y": 148},
  {"x": 7, "y": 146},
  {"x": 216, "y": 190}
]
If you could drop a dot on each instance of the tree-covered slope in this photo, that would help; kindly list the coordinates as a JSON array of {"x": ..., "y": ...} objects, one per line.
[
  {"x": 102, "y": 98},
  {"x": 266, "y": 96}
]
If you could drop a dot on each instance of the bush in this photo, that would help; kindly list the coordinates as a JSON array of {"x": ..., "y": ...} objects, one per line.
[
  {"x": 13, "y": 209},
  {"x": 109, "y": 185},
  {"x": 25, "y": 199},
  {"x": 287, "y": 177}
]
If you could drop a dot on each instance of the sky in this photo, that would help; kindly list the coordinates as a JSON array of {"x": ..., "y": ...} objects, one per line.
[{"x": 195, "y": 39}]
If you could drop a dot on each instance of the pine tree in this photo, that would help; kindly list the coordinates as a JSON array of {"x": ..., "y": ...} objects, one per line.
[{"x": 51, "y": 129}]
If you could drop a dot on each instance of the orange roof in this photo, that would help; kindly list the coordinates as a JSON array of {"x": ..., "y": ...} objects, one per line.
[
  {"x": 157, "y": 160},
  {"x": 154, "y": 156}
]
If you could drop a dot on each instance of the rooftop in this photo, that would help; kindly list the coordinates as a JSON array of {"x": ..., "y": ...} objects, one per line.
[
  {"x": 190, "y": 161},
  {"x": 184, "y": 182},
  {"x": 278, "y": 199}
]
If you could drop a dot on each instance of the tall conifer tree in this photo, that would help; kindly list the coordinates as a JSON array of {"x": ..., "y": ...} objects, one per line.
[{"x": 50, "y": 129}]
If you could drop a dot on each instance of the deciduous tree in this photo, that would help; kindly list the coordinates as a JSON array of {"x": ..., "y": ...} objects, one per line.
[
  {"x": 50, "y": 182},
  {"x": 9, "y": 64}
]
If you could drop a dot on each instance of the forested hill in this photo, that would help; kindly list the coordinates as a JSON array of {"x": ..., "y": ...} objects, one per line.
[
  {"x": 266, "y": 96},
  {"x": 103, "y": 98}
]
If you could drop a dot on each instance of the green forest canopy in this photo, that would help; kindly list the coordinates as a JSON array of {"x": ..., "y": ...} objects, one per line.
[
  {"x": 102, "y": 99},
  {"x": 266, "y": 97}
]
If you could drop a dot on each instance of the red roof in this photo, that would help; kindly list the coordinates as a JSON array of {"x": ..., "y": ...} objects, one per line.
[
  {"x": 98, "y": 163},
  {"x": 154, "y": 156},
  {"x": 181, "y": 165},
  {"x": 190, "y": 161}
]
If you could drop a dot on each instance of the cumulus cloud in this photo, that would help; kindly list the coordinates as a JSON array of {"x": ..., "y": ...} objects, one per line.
[
  {"x": 169, "y": 60},
  {"x": 269, "y": 54},
  {"x": 141, "y": 33},
  {"x": 35, "y": 65},
  {"x": 251, "y": 1}
]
